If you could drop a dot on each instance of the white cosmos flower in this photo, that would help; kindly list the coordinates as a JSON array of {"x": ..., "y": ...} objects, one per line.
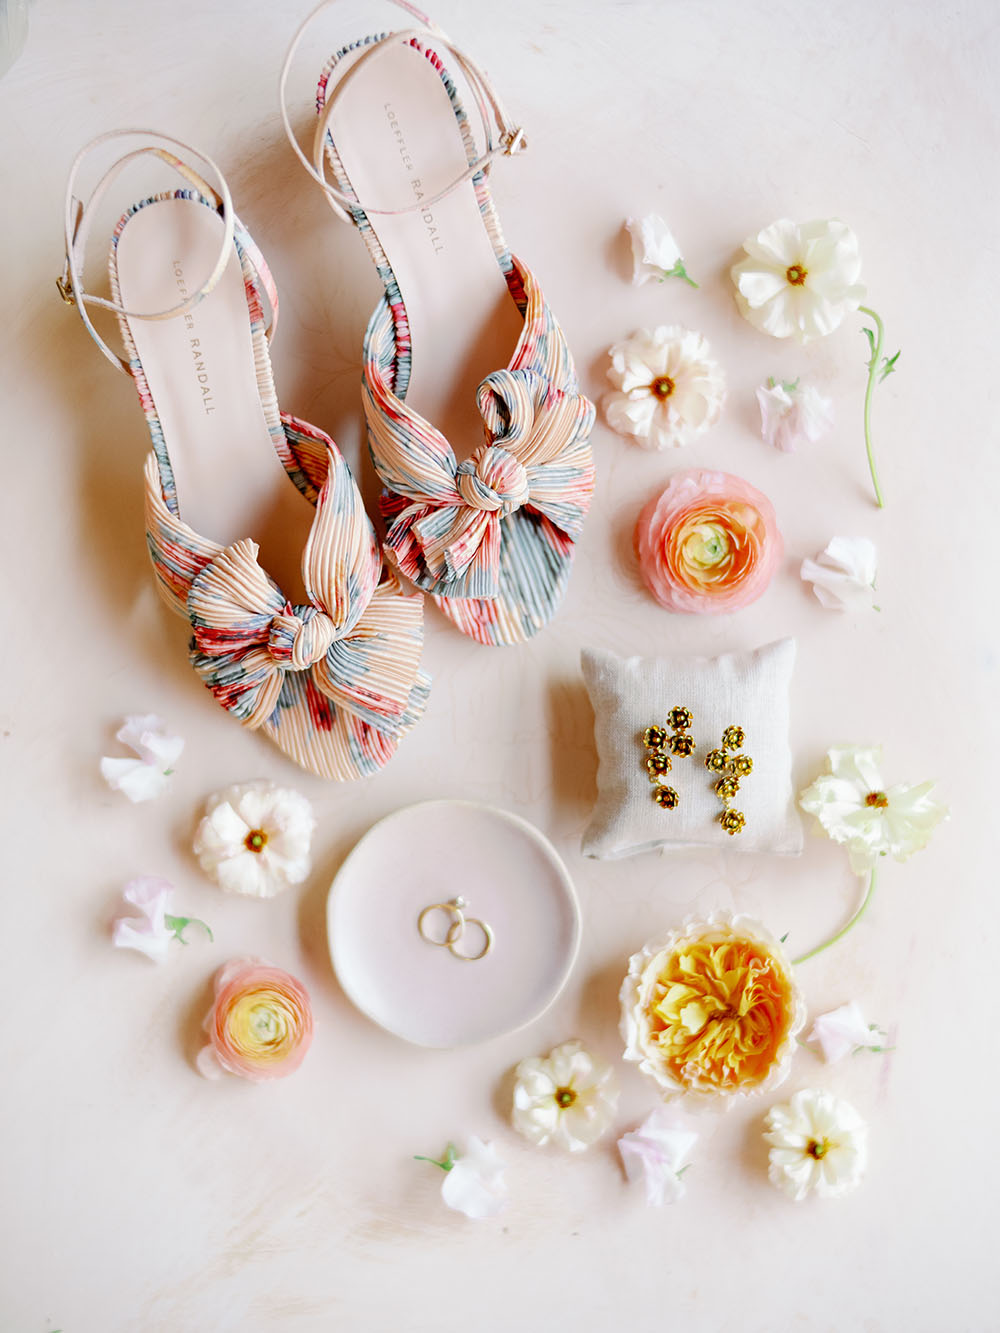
[
  {"x": 569, "y": 1098},
  {"x": 474, "y": 1183},
  {"x": 657, "y": 1153},
  {"x": 843, "y": 1031},
  {"x": 855, "y": 808},
  {"x": 655, "y": 253},
  {"x": 819, "y": 1143},
  {"x": 151, "y": 932},
  {"x": 147, "y": 775},
  {"x": 668, "y": 389},
  {"x": 799, "y": 280},
  {"x": 792, "y": 413},
  {"x": 843, "y": 575},
  {"x": 255, "y": 839}
]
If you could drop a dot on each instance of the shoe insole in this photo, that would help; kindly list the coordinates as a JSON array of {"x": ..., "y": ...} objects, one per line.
[
  {"x": 395, "y": 129},
  {"x": 201, "y": 375}
]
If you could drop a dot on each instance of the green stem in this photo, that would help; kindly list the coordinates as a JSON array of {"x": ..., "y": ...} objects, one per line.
[
  {"x": 678, "y": 271},
  {"x": 873, "y": 369},
  {"x": 844, "y": 929},
  {"x": 446, "y": 1162},
  {"x": 178, "y": 924}
]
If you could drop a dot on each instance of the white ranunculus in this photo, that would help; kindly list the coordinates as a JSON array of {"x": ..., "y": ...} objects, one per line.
[
  {"x": 146, "y": 776},
  {"x": 843, "y": 575},
  {"x": 568, "y": 1098},
  {"x": 819, "y": 1144},
  {"x": 799, "y": 280},
  {"x": 657, "y": 1153},
  {"x": 255, "y": 839},
  {"x": 667, "y": 387},
  {"x": 792, "y": 413},
  {"x": 655, "y": 253},
  {"x": 843, "y": 1031},
  {"x": 474, "y": 1183},
  {"x": 855, "y": 808}
]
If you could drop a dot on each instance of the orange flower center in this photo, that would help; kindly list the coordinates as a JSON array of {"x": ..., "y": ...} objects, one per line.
[
  {"x": 876, "y": 800},
  {"x": 817, "y": 1148},
  {"x": 565, "y": 1097},
  {"x": 662, "y": 387},
  {"x": 796, "y": 274},
  {"x": 256, "y": 840}
]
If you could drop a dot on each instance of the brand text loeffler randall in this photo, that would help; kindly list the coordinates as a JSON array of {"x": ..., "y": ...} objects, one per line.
[
  {"x": 416, "y": 185},
  {"x": 194, "y": 344}
]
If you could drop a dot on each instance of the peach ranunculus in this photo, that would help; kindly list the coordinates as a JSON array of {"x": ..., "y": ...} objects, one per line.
[
  {"x": 708, "y": 542},
  {"x": 260, "y": 1024},
  {"x": 713, "y": 1008}
]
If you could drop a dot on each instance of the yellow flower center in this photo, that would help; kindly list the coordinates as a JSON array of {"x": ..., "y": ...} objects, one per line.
[
  {"x": 719, "y": 1012},
  {"x": 662, "y": 387},
  {"x": 818, "y": 1148},
  {"x": 876, "y": 800},
  {"x": 565, "y": 1097},
  {"x": 256, "y": 840},
  {"x": 796, "y": 274},
  {"x": 707, "y": 546}
]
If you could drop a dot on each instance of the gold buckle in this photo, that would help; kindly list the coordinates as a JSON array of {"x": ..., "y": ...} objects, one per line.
[
  {"x": 514, "y": 142},
  {"x": 65, "y": 289}
]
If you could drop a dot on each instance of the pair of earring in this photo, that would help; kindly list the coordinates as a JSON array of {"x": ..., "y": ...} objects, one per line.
[{"x": 728, "y": 762}]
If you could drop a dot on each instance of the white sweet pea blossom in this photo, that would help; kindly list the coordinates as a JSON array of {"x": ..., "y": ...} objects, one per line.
[
  {"x": 655, "y": 254},
  {"x": 819, "y": 1143},
  {"x": 657, "y": 1153},
  {"x": 843, "y": 575},
  {"x": 255, "y": 839},
  {"x": 799, "y": 280},
  {"x": 473, "y": 1182},
  {"x": 843, "y": 1031},
  {"x": 568, "y": 1098},
  {"x": 667, "y": 387},
  {"x": 855, "y": 808},
  {"x": 151, "y": 932},
  {"x": 791, "y": 413},
  {"x": 146, "y": 776}
]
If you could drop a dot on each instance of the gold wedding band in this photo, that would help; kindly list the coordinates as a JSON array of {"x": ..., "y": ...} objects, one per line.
[{"x": 456, "y": 929}]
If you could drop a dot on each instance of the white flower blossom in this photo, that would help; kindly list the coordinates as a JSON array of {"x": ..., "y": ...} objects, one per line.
[
  {"x": 569, "y": 1098},
  {"x": 855, "y": 808},
  {"x": 792, "y": 413},
  {"x": 255, "y": 839},
  {"x": 667, "y": 387},
  {"x": 474, "y": 1183},
  {"x": 146, "y": 776},
  {"x": 655, "y": 253},
  {"x": 657, "y": 1153},
  {"x": 843, "y": 1031},
  {"x": 819, "y": 1143},
  {"x": 843, "y": 575},
  {"x": 151, "y": 932},
  {"x": 799, "y": 280}
]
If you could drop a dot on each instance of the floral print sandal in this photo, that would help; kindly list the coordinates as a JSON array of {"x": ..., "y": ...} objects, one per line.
[
  {"x": 489, "y": 533},
  {"x": 327, "y": 663}
]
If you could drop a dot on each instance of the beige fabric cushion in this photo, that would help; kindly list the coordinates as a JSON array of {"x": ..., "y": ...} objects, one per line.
[{"x": 746, "y": 689}]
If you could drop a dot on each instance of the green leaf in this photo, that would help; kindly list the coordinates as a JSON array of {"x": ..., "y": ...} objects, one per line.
[
  {"x": 888, "y": 366},
  {"x": 870, "y": 335},
  {"x": 784, "y": 937}
]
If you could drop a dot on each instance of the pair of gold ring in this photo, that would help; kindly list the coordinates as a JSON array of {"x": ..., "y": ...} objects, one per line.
[{"x": 454, "y": 934}]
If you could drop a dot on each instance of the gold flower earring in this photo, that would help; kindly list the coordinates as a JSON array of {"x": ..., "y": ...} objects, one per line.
[
  {"x": 660, "y": 746},
  {"x": 730, "y": 767}
]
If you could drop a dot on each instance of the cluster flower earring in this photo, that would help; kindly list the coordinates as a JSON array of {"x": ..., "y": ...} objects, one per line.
[
  {"x": 730, "y": 765},
  {"x": 660, "y": 746}
]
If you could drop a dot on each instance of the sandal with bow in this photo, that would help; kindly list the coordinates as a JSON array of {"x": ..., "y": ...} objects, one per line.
[
  {"x": 489, "y": 533},
  {"x": 327, "y": 663}
]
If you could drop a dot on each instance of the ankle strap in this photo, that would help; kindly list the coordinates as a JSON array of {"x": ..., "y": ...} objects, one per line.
[
  {"x": 492, "y": 113},
  {"x": 77, "y": 228}
]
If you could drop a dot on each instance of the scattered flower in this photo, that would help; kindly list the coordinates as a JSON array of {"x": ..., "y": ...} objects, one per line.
[
  {"x": 142, "y": 778},
  {"x": 713, "y": 1008},
  {"x": 255, "y": 839},
  {"x": 657, "y": 1153},
  {"x": 799, "y": 280},
  {"x": 708, "y": 543},
  {"x": 569, "y": 1098},
  {"x": 151, "y": 932},
  {"x": 668, "y": 389},
  {"x": 792, "y": 413},
  {"x": 473, "y": 1183},
  {"x": 656, "y": 256},
  {"x": 843, "y": 575},
  {"x": 843, "y": 1031},
  {"x": 855, "y": 808},
  {"x": 260, "y": 1024},
  {"x": 819, "y": 1143}
]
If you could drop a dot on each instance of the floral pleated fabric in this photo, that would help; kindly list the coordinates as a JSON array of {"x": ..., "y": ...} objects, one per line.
[
  {"x": 491, "y": 538},
  {"x": 335, "y": 682}
]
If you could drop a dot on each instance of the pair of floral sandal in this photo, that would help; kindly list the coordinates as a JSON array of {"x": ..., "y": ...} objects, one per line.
[{"x": 326, "y": 662}]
